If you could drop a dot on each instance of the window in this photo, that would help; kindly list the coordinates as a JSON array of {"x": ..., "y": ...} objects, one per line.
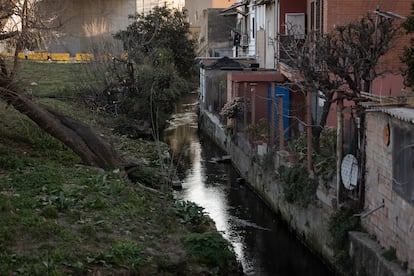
[
  {"x": 295, "y": 24},
  {"x": 312, "y": 16},
  {"x": 322, "y": 16},
  {"x": 317, "y": 16},
  {"x": 403, "y": 161},
  {"x": 253, "y": 28}
]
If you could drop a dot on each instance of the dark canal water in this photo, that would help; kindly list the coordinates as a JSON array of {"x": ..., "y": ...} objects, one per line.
[{"x": 262, "y": 242}]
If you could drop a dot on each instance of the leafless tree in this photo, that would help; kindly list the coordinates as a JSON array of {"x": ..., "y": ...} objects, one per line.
[{"x": 340, "y": 64}]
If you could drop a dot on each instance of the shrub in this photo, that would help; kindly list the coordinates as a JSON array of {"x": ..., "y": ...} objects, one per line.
[
  {"x": 340, "y": 223},
  {"x": 210, "y": 248},
  {"x": 190, "y": 213},
  {"x": 298, "y": 187},
  {"x": 390, "y": 254}
]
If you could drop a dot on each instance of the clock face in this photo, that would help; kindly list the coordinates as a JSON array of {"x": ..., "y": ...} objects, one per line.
[{"x": 349, "y": 171}]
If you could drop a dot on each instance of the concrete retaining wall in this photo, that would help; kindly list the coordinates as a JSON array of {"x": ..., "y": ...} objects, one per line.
[
  {"x": 367, "y": 258},
  {"x": 310, "y": 224}
]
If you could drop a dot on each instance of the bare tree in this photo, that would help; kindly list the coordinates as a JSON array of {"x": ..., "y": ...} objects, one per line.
[
  {"x": 340, "y": 64},
  {"x": 20, "y": 25}
]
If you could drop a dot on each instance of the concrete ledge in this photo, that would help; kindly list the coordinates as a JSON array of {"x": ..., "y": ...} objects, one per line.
[{"x": 367, "y": 259}]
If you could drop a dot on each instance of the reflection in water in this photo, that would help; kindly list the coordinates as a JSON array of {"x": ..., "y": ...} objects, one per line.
[
  {"x": 261, "y": 241},
  {"x": 204, "y": 189}
]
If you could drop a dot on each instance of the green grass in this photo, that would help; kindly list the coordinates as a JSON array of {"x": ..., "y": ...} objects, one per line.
[
  {"x": 58, "y": 217},
  {"x": 49, "y": 78}
]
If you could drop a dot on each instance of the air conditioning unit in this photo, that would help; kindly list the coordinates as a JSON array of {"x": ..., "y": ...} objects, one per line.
[{"x": 244, "y": 41}]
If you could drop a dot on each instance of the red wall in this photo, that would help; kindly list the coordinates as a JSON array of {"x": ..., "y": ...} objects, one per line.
[{"x": 290, "y": 6}]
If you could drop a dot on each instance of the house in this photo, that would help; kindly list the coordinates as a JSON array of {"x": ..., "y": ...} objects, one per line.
[
  {"x": 324, "y": 16},
  {"x": 384, "y": 157},
  {"x": 212, "y": 30},
  {"x": 389, "y": 178},
  {"x": 259, "y": 27}
]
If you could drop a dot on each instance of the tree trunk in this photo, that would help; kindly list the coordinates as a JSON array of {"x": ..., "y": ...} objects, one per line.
[{"x": 78, "y": 136}]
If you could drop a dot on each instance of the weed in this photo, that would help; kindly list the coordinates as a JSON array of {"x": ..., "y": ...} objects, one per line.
[
  {"x": 34, "y": 179},
  {"x": 53, "y": 212},
  {"x": 11, "y": 162},
  {"x": 49, "y": 212},
  {"x": 210, "y": 248},
  {"x": 144, "y": 177},
  {"x": 298, "y": 187},
  {"x": 122, "y": 253},
  {"x": 5, "y": 204},
  {"x": 190, "y": 213},
  {"x": 390, "y": 254},
  {"x": 340, "y": 223},
  {"x": 89, "y": 230}
]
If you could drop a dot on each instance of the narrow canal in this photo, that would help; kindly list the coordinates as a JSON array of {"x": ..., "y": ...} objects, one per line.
[{"x": 262, "y": 242}]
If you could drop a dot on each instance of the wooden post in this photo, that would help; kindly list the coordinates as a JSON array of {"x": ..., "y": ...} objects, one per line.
[
  {"x": 309, "y": 129},
  {"x": 339, "y": 142},
  {"x": 272, "y": 117},
  {"x": 281, "y": 128}
]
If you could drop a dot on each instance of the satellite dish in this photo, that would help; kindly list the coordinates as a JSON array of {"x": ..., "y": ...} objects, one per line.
[{"x": 349, "y": 171}]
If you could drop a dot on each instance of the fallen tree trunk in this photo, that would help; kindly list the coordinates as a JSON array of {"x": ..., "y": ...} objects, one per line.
[{"x": 85, "y": 142}]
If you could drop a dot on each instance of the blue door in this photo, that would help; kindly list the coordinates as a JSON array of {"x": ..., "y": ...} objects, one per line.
[{"x": 285, "y": 92}]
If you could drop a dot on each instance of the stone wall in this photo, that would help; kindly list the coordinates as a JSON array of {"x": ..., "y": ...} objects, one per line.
[
  {"x": 310, "y": 224},
  {"x": 392, "y": 225},
  {"x": 366, "y": 255}
]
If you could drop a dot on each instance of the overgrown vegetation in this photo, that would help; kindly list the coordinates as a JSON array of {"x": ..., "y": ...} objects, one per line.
[
  {"x": 324, "y": 160},
  {"x": 142, "y": 86},
  {"x": 58, "y": 217},
  {"x": 298, "y": 187},
  {"x": 192, "y": 215},
  {"x": 340, "y": 223},
  {"x": 211, "y": 249},
  {"x": 390, "y": 254}
]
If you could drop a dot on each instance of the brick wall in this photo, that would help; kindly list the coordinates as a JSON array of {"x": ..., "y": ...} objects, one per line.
[
  {"x": 393, "y": 225},
  {"x": 339, "y": 12}
]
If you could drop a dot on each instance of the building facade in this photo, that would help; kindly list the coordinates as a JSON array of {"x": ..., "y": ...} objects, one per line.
[{"x": 389, "y": 185}]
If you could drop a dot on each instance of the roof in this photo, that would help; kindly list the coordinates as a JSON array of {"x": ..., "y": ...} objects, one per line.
[
  {"x": 402, "y": 113},
  {"x": 235, "y": 5}
]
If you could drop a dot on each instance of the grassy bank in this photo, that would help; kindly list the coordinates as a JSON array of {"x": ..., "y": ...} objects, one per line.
[{"x": 58, "y": 217}]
